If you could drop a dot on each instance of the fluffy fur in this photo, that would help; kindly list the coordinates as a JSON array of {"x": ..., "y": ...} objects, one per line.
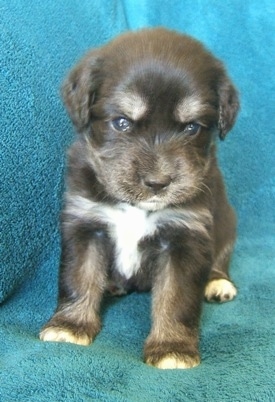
[{"x": 146, "y": 206}]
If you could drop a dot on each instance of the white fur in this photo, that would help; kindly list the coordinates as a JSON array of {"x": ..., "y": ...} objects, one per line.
[
  {"x": 53, "y": 334},
  {"x": 152, "y": 204},
  {"x": 171, "y": 362},
  {"x": 221, "y": 288},
  {"x": 127, "y": 225}
]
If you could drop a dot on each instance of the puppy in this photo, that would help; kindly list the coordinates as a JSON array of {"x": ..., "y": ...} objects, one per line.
[{"x": 146, "y": 206}]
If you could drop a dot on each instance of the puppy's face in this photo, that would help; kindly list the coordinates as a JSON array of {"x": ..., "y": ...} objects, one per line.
[{"x": 149, "y": 106}]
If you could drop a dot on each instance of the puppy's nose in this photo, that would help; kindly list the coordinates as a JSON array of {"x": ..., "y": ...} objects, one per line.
[{"x": 157, "y": 183}]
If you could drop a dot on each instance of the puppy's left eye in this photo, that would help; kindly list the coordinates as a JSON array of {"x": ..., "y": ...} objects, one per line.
[
  {"x": 121, "y": 124},
  {"x": 192, "y": 128}
]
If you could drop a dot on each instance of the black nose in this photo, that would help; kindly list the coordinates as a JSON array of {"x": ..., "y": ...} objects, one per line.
[{"x": 157, "y": 183}]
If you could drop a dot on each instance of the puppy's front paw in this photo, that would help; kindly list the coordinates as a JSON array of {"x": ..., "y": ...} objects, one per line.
[
  {"x": 220, "y": 290},
  {"x": 176, "y": 362},
  {"x": 59, "y": 334},
  {"x": 171, "y": 355}
]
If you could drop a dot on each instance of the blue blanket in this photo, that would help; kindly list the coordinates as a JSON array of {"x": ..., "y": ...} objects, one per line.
[{"x": 39, "y": 42}]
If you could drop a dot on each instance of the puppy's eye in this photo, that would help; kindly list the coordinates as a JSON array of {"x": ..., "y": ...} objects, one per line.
[
  {"x": 121, "y": 124},
  {"x": 192, "y": 128}
]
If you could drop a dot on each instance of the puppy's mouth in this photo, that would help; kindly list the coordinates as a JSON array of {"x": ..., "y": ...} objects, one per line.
[{"x": 152, "y": 204}]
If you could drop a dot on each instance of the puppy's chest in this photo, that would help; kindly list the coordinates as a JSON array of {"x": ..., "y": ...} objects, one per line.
[{"x": 128, "y": 226}]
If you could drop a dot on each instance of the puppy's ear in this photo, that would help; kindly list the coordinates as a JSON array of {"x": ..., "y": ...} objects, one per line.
[
  {"x": 228, "y": 106},
  {"x": 78, "y": 90}
]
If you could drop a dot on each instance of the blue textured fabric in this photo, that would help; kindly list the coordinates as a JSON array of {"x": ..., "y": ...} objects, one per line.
[{"x": 39, "y": 42}]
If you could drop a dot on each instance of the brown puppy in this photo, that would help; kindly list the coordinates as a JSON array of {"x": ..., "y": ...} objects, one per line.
[{"x": 146, "y": 206}]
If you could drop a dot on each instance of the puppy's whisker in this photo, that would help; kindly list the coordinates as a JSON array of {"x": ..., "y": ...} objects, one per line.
[
  {"x": 202, "y": 187},
  {"x": 207, "y": 188}
]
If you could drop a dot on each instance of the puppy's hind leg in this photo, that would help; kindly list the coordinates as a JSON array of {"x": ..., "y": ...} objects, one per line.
[
  {"x": 82, "y": 283},
  {"x": 219, "y": 287}
]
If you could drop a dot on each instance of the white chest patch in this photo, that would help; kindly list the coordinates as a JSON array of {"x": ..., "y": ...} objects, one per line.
[{"x": 128, "y": 225}]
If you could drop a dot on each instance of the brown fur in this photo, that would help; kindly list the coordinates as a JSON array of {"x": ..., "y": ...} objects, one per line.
[{"x": 176, "y": 97}]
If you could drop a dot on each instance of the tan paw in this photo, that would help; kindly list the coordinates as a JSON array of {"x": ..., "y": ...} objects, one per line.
[
  {"x": 171, "y": 362},
  {"x": 57, "y": 334},
  {"x": 220, "y": 290}
]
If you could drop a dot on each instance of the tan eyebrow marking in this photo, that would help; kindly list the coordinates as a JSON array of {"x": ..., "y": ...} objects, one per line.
[
  {"x": 190, "y": 108},
  {"x": 131, "y": 104}
]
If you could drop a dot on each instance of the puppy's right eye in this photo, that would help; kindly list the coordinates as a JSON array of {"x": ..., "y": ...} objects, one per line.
[
  {"x": 121, "y": 124},
  {"x": 192, "y": 128}
]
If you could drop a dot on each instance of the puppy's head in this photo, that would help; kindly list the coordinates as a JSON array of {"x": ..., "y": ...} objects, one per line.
[{"x": 149, "y": 105}]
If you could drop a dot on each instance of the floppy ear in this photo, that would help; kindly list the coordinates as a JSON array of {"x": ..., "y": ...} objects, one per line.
[
  {"x": 78, "y": 90},
  {"x": 228, "y": 106}
]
